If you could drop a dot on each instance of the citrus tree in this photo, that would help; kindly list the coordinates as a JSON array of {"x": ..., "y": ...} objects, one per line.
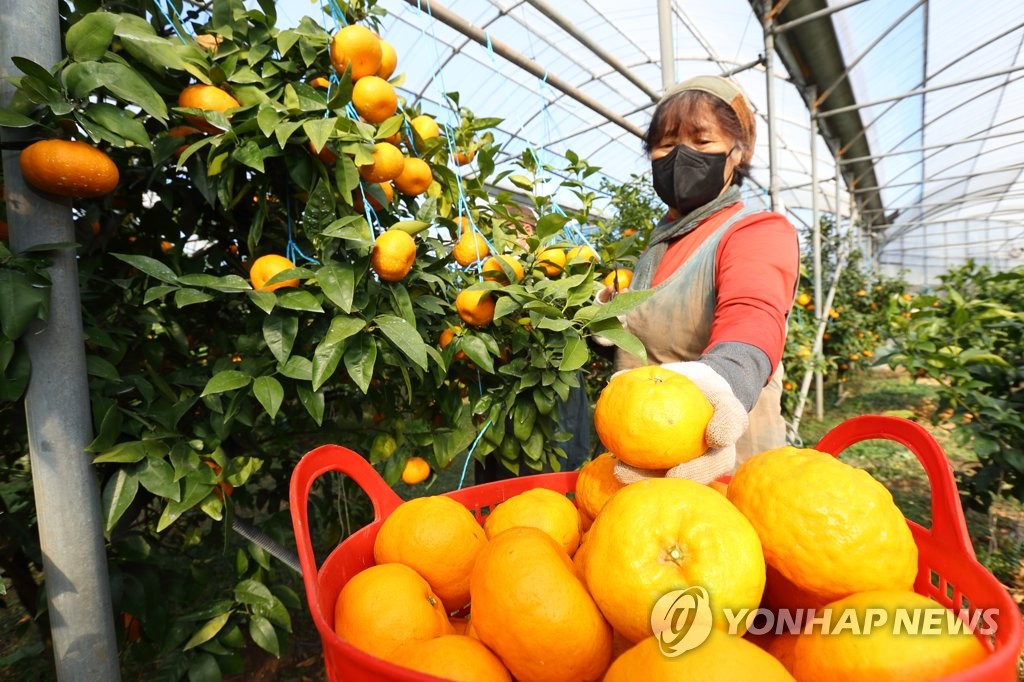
[
  {"x": 967, "y": 337},
  {"x": 859, "y": 321},
  {"x": 213, "y": 368}
]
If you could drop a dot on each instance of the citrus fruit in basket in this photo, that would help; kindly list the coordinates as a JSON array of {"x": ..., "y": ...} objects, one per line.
[
  {"x": 539, "y": 508},
  {"x": 438, "y": 538},
  {"x": 652, "y": 418},
  {"x": 595, "y": 484},
  {"x": 386, "y": 606},
  {"x": 722, "y": 658},
  {"x": 829, "y": 529},
  {"x": 662, "y": 535},
  {"x": 453, "y": 657},
  {"x": 919, "y": 640},
  {"x": 530, "y": 608}
]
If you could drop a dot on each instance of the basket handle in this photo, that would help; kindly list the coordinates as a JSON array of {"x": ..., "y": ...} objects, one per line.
[
  {"x": 315, "y": 463},
  {"x": 948, "y": 524}
]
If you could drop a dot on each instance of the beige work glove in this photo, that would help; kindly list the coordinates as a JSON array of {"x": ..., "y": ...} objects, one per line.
[{"x": 727, "y": 424}]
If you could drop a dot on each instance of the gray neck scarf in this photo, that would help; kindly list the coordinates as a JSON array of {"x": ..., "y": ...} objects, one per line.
[{"x": 667, "y": 230}]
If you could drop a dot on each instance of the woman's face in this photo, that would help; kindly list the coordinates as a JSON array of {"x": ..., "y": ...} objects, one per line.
[{"x": 702, "y": 133}]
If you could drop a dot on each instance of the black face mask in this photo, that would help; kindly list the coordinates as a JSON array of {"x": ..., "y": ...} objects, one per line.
[{"x": 686, "y": 179}]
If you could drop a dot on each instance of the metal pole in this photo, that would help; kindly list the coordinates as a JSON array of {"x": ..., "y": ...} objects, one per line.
[
  {"x": 611, "y": 60},
  {"x": 57, "y": 402},
  {"x": 668, "y": 54},
  {"x": 769, "y": 65},
  {"x": 453, "y": 20},
  {"x": 819, "y": 312}
]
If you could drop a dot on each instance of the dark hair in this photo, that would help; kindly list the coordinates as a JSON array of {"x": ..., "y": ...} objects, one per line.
[{"x": 672, "y": 113}]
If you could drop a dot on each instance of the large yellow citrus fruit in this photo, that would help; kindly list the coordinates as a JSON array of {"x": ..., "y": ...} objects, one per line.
[
  {"x": 453, "y": 657},
  {"x": 266, "y": 268},
  {"x": 386, "y": 606},
  {"x": 551, "y": 261},
  {"x": 722, "y": 658},
  {"x": 358, "y": 47},
  {"x": 415, "y": 177},
  {"x": 653, "y": 418},
  {"x": 207, "y": 98},
  {"x": 665, "y": 534},
  {"x": 438, "y": 538},
  {"x": 393, "y": 254},
  {"x": 470, "y": 248},
  {"x": 539, "y": 508},
  {"x": 618, "y": 279},
  {"x": 530, "y": 608},
  {"x": 475, "y": 307},
  {"x": 387, "y": 163},
  {"x": 919, "y": 640},
  {"x": 583, "y": 252},
  {"x": 827, "y": 527},
  {"x": 426, "y": 127},
  {"x": 374, "y": 99},
  {"x": 596, "y": 483},
  {"x": 68, "y": 168},
  {"x": 388, "y": 60},
  {"x": 492, "y": 270}
]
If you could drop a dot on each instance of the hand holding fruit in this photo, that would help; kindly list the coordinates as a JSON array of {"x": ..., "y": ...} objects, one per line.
[{"x": 679, "y": 420}]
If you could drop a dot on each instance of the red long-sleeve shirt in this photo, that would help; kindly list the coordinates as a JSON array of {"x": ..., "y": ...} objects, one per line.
[{"x": 756, "y": 270}]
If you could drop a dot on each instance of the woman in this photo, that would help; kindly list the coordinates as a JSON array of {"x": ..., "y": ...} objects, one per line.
[{"x": 723, "y": 278}]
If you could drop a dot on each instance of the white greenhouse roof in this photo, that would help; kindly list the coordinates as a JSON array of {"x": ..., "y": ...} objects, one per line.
[{"x": 930, "y": 90}]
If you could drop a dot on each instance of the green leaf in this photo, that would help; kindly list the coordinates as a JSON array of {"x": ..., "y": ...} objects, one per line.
[
  {"x": 270, "y": 393},
  {"x": 343, "y": 327},
  {"x": 264, "y": 300},
  {"x": 410, "y": 226},
  {"x": 227, "y": 380},
  {"x": 254, "y": 593},
  {"x": 208, "y": 631},
  {"x": 20, "y": 303},
  {"x": 17, "y": 368},
  {"x": 505, "y": 305},
  {"x": 297, "y": 367},
  {"x": 119, "y": 121},
  {"x": 187, "y": 297},
  {"x": 203, "y": 667},
  {"x": 620, "y": 305},
  {"x": 157, "y": 476},
  {"x": 338, "y": 283},
  {"x": 624, "y": 340},
  {"x": 267, "y": 118},
  {"x": 149, "y": 266},
  {"x": 360, "y": 357},
  {"x": 99, "y": 367},
  {"x": 352, "y": 227},
  {"x": 574, "y": 355},
  {"x": 549, "y": 225},
  {"x": 263, "y": 633},
  {"x": 313, "y": 401},
  {"x": 279, "y": 332},
  {"x": 404, "y": 336},
  {"x": 285, "y": 130},
  {"x": 131, "y": 452},
  {"x": 142, "y": 43},
  {"x": 325, "y": 360},
  {"x": 250, "y": 154},
  {"x": 319, "y": 130},
  {"x": 476, "y": 350},
  {"x": 89, "y": 38},
  {"x": 12, "y": 119},
  {"x": 299, "y": 300},
  {"x": 82, "y": 78},
  {"x": 118, "y": 494}
]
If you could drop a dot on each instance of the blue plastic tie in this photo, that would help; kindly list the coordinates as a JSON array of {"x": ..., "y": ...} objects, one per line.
[{"x": 469, "y": 455}]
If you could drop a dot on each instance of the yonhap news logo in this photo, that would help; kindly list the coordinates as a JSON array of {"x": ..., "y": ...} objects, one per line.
[{"x": 683, "y": 619}]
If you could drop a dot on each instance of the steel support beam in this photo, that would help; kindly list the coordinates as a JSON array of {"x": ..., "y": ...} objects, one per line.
[{"x": 64, "y": 483}]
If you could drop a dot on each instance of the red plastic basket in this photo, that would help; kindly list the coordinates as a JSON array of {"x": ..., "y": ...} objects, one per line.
[{"x": 947, "y": 569}]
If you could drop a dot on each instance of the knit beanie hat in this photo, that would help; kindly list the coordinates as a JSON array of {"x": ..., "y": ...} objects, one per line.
[{"x": 728, "y": 92}]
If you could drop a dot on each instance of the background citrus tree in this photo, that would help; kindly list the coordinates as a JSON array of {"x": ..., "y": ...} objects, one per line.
[{"x": 205, "y": 390}]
